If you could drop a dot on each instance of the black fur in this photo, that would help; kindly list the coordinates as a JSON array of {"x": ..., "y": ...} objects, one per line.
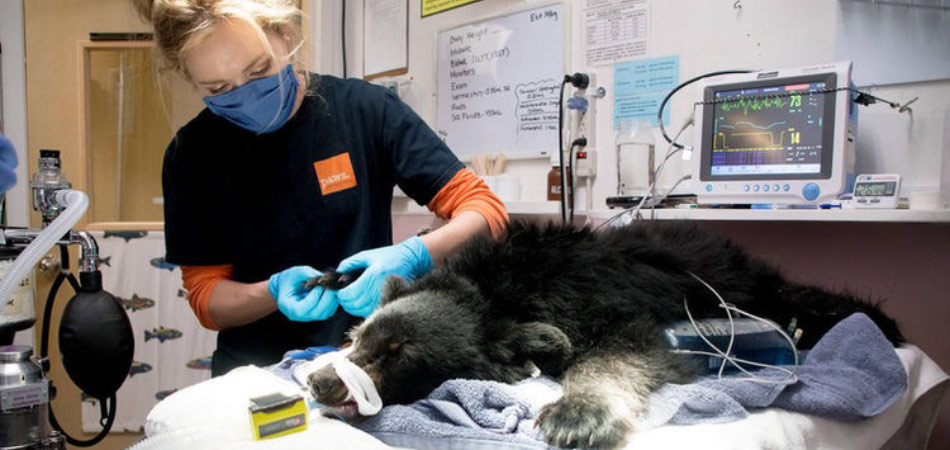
[
  {"x": 587, "y": 307},
  {"x": 331, "y": 279}
]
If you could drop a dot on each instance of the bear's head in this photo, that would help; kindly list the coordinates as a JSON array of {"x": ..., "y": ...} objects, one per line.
[{"x": 436, "y": 330}]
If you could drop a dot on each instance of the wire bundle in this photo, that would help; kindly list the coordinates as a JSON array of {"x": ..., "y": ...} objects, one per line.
[{"x": 726, "y": 355}]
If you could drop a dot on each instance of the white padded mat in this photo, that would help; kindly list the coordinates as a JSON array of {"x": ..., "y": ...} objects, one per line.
[{"x": 213, "y": 415}]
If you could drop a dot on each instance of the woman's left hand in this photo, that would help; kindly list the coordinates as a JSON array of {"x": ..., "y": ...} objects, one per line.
[
  {"x": 8, "y": 163},
  {"x": 408, "y": 259}
]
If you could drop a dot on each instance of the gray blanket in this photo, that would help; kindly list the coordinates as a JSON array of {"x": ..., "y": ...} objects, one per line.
[{"x": 850, "y": 374}]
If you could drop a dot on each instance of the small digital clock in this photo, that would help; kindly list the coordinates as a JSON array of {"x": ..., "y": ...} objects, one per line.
[{"x": 880, "y": 190}]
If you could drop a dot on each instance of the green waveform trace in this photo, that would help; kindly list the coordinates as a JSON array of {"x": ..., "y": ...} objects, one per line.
[
  {"x": 756, "y": 104},
  {"x": 757, "y": 140}
]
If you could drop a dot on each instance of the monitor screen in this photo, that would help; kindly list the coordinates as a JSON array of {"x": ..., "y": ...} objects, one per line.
[{"x": 769, "y": 129}]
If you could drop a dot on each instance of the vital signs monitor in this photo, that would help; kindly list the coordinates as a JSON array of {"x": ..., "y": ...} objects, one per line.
[{"x": 778, "y": 137}]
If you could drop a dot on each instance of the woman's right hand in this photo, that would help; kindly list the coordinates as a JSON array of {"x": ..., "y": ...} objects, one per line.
[{"x": 297, "y": 302}]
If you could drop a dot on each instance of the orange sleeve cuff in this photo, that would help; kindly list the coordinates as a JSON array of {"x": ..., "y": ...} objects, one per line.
[
  {"x": 200, "y": 281},
  {"x": 467, "y": 192}
]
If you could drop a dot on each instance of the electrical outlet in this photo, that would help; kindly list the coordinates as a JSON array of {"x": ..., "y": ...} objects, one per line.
[
  {"x": 585, "y": 162},
  {"x": 584, "y": 125}
]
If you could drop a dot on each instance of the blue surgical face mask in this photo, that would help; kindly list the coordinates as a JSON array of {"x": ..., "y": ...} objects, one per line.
[{"x": 262, "y": 105}]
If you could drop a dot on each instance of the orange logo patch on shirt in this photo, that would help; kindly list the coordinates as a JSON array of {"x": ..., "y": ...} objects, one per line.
[{"x": 335, "y": 173}]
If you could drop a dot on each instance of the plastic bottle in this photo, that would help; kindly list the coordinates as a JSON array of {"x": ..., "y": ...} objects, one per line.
[
  {"x": 554, "y": 184},
  {"x": 635, "y": 158},
  {"x": 554, "y": 179}
]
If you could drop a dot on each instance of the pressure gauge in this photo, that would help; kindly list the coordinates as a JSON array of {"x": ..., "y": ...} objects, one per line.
[{"x": 876, "y": 190}]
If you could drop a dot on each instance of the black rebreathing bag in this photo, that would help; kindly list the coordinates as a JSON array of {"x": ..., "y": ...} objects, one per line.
[{"x": 96, "y": 342}]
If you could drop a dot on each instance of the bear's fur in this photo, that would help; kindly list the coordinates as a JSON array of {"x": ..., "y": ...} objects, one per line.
[{"x": 583, "y": 306}]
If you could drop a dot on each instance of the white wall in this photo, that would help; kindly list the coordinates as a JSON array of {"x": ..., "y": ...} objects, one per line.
[
  {"x": 325, "y": 35},
  {"x": 14, "y": 117},
  {"x": 707, "y": 36},
  {"x": 14, "y": 105}
]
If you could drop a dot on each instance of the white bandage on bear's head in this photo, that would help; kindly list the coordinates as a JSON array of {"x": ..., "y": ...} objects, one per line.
[{"x": 360, "y": 386}]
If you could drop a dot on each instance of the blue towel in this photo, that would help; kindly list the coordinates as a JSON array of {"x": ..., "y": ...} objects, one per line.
[
  {"x": 471, "y": 414},
  {"x": 850, "y": 374}
]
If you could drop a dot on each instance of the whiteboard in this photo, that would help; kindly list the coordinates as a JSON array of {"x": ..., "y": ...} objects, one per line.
[{"x": 498, "y": 83}]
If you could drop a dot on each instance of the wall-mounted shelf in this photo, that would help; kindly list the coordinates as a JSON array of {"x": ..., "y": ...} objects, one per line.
[
  {"x": 804, "y": 215},
  {"x": 530, "y": 208},
  {"x": 405, "y": 206}
]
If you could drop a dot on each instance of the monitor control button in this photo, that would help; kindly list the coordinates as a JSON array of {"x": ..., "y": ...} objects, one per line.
[
  {"x": 811, "y": 191},
  {"x": 765, "y": 187},
  {"x": 746, "y": 188},
  {"x": 755, "y": 187},
  {"x": 775, "y": 187},
  {"x": 709, "y": 188},
  {"x": 786, "y": 187}
]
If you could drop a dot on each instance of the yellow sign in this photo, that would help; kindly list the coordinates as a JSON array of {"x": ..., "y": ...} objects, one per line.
[{"x": 430, "y": 7}]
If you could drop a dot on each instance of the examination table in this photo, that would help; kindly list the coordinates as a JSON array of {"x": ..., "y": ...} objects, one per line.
[{"x": 213, "y": 414}]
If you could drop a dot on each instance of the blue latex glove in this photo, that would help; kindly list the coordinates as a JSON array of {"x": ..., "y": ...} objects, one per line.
[
  {"x": 297, "y": 303},
  {"x": 409, "y": 259},
  {"x": 8, "y": 163}
]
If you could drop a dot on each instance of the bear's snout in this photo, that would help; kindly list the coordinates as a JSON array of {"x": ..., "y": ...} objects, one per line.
[{"x": 326, "y": 387}]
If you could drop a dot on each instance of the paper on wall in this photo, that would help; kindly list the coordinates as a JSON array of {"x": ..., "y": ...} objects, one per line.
[
  {"x": 385, "y": 45},
  {"x": 639, "y": 88},
  {"x": 615, "y": 30}
]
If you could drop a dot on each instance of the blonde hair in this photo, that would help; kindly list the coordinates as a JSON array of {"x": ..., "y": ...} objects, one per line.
[{"x": 180, "y": 25}]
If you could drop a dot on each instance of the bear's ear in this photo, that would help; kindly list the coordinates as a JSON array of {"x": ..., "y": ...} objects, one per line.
[
  {"x": 544, "y": 344},
  {"x": 393, "y": 288}
]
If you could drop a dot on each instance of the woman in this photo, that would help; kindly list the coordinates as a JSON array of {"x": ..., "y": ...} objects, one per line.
[{"x": 285, "y": 172}]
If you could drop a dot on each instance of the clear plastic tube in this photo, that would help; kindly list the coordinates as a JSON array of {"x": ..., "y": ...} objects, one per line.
[{"x": 76, "y": 203}]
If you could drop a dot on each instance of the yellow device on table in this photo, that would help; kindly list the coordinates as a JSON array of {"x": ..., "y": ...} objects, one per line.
[{"x": 277, "y": 415}]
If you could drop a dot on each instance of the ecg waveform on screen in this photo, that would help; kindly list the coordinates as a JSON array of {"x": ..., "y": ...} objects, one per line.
[
  {"x": 751, "y": 125},
  {"x": 757, "y": 139},
  {"x": 757, "y": 129},
  {"x": 759, "y": 103}
]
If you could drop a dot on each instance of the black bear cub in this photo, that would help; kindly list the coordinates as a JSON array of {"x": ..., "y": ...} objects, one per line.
[{"x": 583, "y": 306}]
